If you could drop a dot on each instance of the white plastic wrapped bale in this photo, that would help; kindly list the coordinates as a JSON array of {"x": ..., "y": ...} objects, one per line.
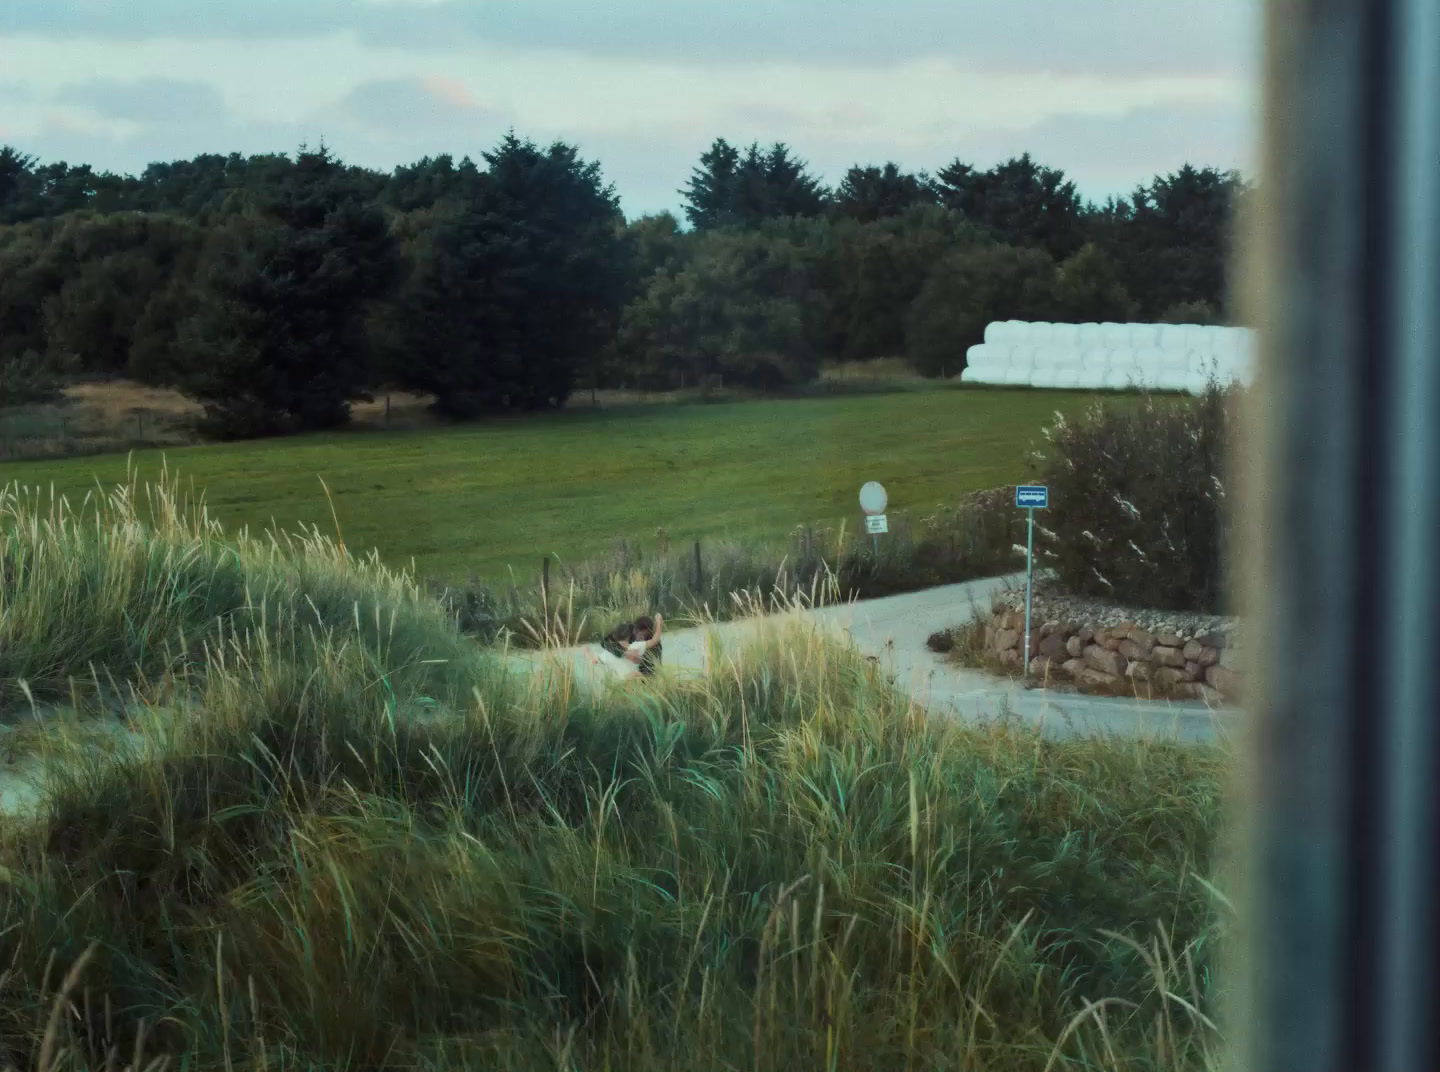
[
  {"x": 1196, "y": 385},
  {"x": 1113, "y": 335},
  {"x": 1066, "y": 336},
  {"x": 1204, "y": 362},
  {"x": 1055, "y": 355},
  {"x": 1088, "y": 335},
  {"x": 1019, "y": 367},
  {"x": 1228, "y": 340},
  {"x": 1171, "y": 373},
  {"x": 983, "y": 373},
  {"x": 987, "y": 359},
  {"x": 1144, "y": 336},
  {"x": 1044, "y": 376},
  {"x": 1197, "y": 337},
  {"x": 997, "y": 333},
  {"x": 1039, "y": 333},
  {"x": 1172, "y": 337},
  {"x": 1095, "y": 357},
  {"x": 1149, "y": 356},
  {"x": 1119, "y": 379}
]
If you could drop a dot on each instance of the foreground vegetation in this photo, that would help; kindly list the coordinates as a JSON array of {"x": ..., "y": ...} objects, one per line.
[{"x": 348, "y": 838}]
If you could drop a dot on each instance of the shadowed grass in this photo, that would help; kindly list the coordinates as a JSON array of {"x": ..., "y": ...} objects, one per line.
[{"x": 326, "y": 852}]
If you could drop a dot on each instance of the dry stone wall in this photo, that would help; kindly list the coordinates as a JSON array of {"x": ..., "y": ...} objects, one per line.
[{"x": 1103, "y": 646}]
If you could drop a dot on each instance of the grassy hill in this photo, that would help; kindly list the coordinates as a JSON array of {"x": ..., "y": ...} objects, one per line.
[
  {"x": 346, "y": 838},
  {"x": 475, "y": 500}
]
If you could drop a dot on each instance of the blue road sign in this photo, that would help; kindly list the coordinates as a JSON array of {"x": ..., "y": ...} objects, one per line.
[{"x": 1032, "y": 496}]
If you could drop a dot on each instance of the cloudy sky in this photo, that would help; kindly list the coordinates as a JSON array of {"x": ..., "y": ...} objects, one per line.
[{"x": 1113, "y": 91}]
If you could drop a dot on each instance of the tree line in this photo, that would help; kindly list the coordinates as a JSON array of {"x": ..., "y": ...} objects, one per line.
[{"x": 276, "y": 289}]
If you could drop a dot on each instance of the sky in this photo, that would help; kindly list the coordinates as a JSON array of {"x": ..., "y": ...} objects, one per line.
[{"x": 1112, "y": 91}]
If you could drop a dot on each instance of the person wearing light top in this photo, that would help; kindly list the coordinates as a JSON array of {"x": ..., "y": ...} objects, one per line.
[{"x": 633, "y": 649}]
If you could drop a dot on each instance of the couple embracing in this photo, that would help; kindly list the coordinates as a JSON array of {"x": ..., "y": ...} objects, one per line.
[{"x": 632, "y": 649}]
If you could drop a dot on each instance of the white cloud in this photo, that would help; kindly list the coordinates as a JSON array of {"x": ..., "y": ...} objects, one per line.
[
  {"x": 1158, "y": 36},
  {"x": 645, "y": 111}
]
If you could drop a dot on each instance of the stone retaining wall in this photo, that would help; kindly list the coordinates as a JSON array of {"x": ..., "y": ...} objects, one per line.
[{"x": 1099, "y": 646}]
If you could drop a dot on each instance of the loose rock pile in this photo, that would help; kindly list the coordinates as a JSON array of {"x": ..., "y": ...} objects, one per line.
[{"x": 1186, "y": 656}]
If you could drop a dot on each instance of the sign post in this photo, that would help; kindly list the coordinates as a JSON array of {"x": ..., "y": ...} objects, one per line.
[
  {"x": 873, "y": 501},
  {"x": 1030, "y": 497}
]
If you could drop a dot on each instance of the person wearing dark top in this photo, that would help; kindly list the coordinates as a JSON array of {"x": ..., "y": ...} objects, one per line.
[{"x": 637, "y": 642}]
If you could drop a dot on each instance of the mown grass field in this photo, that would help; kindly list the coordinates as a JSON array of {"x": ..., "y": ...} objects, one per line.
[{"x": 475, "y": 500}]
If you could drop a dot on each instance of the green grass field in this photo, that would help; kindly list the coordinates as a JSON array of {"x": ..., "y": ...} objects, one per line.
[{"x": 475, "y": 500}]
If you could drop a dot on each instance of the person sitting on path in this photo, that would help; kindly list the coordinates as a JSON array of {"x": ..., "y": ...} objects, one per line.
[
  {"x": 632, "y": 649},
  {"x": 647, "y": 644}
]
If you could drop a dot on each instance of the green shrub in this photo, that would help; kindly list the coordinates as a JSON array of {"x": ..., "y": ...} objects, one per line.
[{"x": 1137, "y": 501}]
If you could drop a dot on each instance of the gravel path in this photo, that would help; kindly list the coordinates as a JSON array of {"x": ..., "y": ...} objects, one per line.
[{"x": 894, "y": 631}]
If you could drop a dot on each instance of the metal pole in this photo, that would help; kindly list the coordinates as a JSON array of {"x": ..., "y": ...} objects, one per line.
[
  {"x": 1029, "y": 577},
  {"x": 1341, "y": 915}
]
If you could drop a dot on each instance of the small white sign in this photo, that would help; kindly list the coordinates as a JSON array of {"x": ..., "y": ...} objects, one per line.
[
  {"x": 876, "y": 524},
  {"x": 873, "y": 498}
]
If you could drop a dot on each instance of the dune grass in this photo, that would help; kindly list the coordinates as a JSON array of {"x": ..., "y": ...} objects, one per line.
[{"x": 346, "y": 837}]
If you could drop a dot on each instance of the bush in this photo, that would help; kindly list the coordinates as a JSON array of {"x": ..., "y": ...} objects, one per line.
[{"x": 1137, "y": 499}]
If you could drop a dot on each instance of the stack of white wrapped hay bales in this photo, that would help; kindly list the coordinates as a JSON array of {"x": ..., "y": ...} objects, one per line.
[{"x": 1162, "y": 357}]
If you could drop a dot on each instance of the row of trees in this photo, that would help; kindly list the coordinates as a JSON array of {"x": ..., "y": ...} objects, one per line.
[{"x": 276, "y": 289}]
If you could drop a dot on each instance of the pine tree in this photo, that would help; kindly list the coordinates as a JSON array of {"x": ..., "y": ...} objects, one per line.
[
  {"x": 278, "y": 342},
  {"x": 1021, "y": 202},
  {"x": 729, "y": 188},
  {"x": 710, "y": 195},
  {"x": 515, "y": 286},
  {"x": 871, "y": 193}
]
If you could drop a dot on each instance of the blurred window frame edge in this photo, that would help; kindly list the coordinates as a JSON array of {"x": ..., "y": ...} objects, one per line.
[{"x": 1331, "y": 856}]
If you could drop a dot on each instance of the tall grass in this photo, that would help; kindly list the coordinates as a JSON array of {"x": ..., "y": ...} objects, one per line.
[
  {"x": 331, "y": 852},
  {"x": 975, "y": 538},
  {"x": 140, "y": 581}
]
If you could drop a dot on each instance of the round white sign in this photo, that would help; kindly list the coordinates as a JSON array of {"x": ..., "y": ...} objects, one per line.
[{"x": 873, "y": 498}]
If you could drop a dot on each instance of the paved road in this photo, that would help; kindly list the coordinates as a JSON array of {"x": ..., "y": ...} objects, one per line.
[{"x": 894, "y": 630}]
